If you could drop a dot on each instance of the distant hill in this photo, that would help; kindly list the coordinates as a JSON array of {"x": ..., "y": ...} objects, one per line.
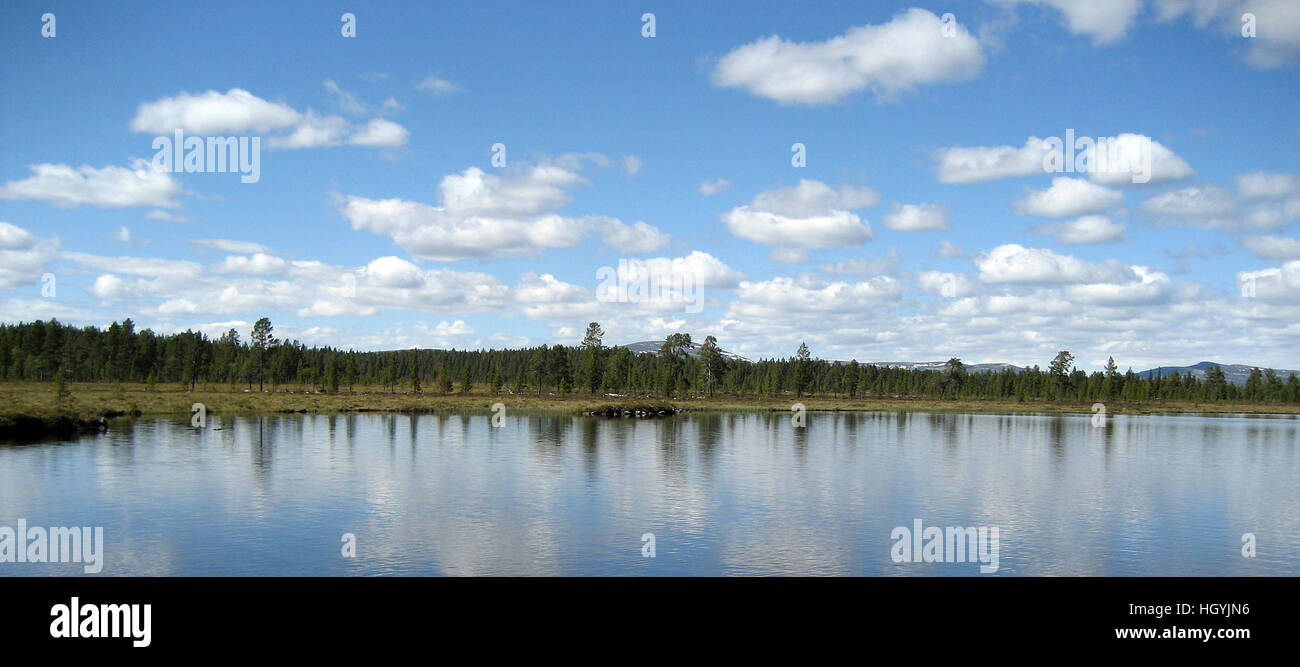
[
  {"x": 1234, "y": 373},
  {"x": 938, "y": 366},
  {"x": 652, "y": 347}
]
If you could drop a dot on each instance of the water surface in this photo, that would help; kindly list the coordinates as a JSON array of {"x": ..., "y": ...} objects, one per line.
[{"x": 723, "y": 494}]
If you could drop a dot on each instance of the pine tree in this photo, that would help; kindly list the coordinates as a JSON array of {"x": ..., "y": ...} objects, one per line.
[
  {"x": 494, "y": 379},
  {"x": 262, "y": 342}
]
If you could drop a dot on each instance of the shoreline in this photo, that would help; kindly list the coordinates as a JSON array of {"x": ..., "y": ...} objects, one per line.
[{"x": 31, "y": 409}]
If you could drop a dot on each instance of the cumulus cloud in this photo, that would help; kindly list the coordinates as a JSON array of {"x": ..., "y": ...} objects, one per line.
[
  {"x": 1212, "y": 207},
  {"x": 544, "y": 297},
  {"x": 782, "y": 296},
  {"x": 810, "y": 215},
  {"x": 1068, "y": 197},
  {"x": 1277, "y": 285},
  {"x": 260, "y": 264},
  {"x": 381, "y": 132},
  {"x": 1090, "y": 229},
  {"x": 947, "y": 250},
  {"x": 159, "y": 214},
  {"x": 636, "y": 238},
  {"x": 1118, "y": 159},
  {"x": 917, "y": 217},
  {"x": 23, "y": 255},
  {"x": 238, "y": 111},
  {"x": 141, "y": 184},
  {"x": 1147, "y": 287},
  {"x": 1277, "y": 22},
  {"x": 1264, "y": 185},
  {"x": 313, "y": 132},
  {"x": 235, "y": 111},
  {"x": 704, "y": 269},
  {"x": 1104, "y": 22},
  {"x": 152, "y": 267},
  {"x": 1013, "y": 263},
  {"x": 1273, "y": 247},
  {"x": 486, "y": 215},
  {"x": 948, "y": 285},
  {"x": 859, "y": 266},
  {"x": 710, "y": 188},
  {"x": 909, "y": 50}
]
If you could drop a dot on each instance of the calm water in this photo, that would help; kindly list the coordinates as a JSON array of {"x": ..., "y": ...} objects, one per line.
[{"x": 722, "y": 494}]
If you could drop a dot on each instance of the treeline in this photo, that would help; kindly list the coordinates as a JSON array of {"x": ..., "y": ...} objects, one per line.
[{"x": 57, "y": 352}]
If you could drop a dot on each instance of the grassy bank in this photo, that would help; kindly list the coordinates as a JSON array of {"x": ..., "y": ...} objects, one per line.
[{"x": 86, "y": 403}]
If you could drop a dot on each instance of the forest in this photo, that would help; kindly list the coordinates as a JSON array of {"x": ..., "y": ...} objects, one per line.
[{"x": 55, "y": 352}]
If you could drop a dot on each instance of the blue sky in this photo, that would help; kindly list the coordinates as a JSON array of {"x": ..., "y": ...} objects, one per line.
[{"x": 922, "y": 226}]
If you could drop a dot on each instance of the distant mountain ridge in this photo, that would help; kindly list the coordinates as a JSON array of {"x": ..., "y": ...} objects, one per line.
[
  {"x": 1233, "y": 373},
  {"x": 938, "y": 366},
  {"x": 652, "y": 347}
]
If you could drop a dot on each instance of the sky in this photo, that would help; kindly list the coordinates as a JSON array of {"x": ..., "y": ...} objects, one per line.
[{"x": 876, "y": 179}]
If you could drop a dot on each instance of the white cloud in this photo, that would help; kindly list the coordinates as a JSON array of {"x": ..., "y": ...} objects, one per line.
[
  {"x": 974, "y": 164},
  {"x": 1013, "y": 263},
  {"x": 908, "y": 51},
  {"x": 1273, "y": 247},
  {"x": 1068, "y": 197},
  {"x": 858, "y": 266},
  {"x": 1089, "y": 229},
  {"x": 1276, "y": 285},
  {"x": 108, "y": 187},
  {"x": 636, "y": 238},
  {"x": 381, "y": 132},
  {"x": 349, "y": 103},
  {"x": 159, "y": 214},
  {"x": 810, "y": 215},
  {"x": 260, "y": 264},
  {"x": 1263, "y": 185},
  {"x": 236, "y": 247},
  {"x": 123, "y": 234},
  {"x": 234, "y": 112},
  {"x": 23, "y": 255},
  {"x": 1208, "y": 203},
  {"x": 545, "y": 297},
  {"x": 1104, "y": 21},
  {"x": 1277, "y": 22},
  {"x": 783, "y": 296},
  {"x": 434, "y": 85},
  {"x": 788, "y": 255},
  {"x": 710, "y": 188},
  {"x": 946, "y": 250},
  {"x": 152, "y": 267},
  {"x": 948, "y": 285},
  {"x": 706, "y": 270},
  {"x": 1148, "y": 287},
  {"x": 313, "y": 132},
  {"x": 487, "y": 215},
  {"x": 238, "y": 111},
  {"x": 917, "y": 217},
  {"x": 1117, "y": 160}
]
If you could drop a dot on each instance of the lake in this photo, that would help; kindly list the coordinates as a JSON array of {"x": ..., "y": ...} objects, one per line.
[{"x": 721, "y": 494}]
